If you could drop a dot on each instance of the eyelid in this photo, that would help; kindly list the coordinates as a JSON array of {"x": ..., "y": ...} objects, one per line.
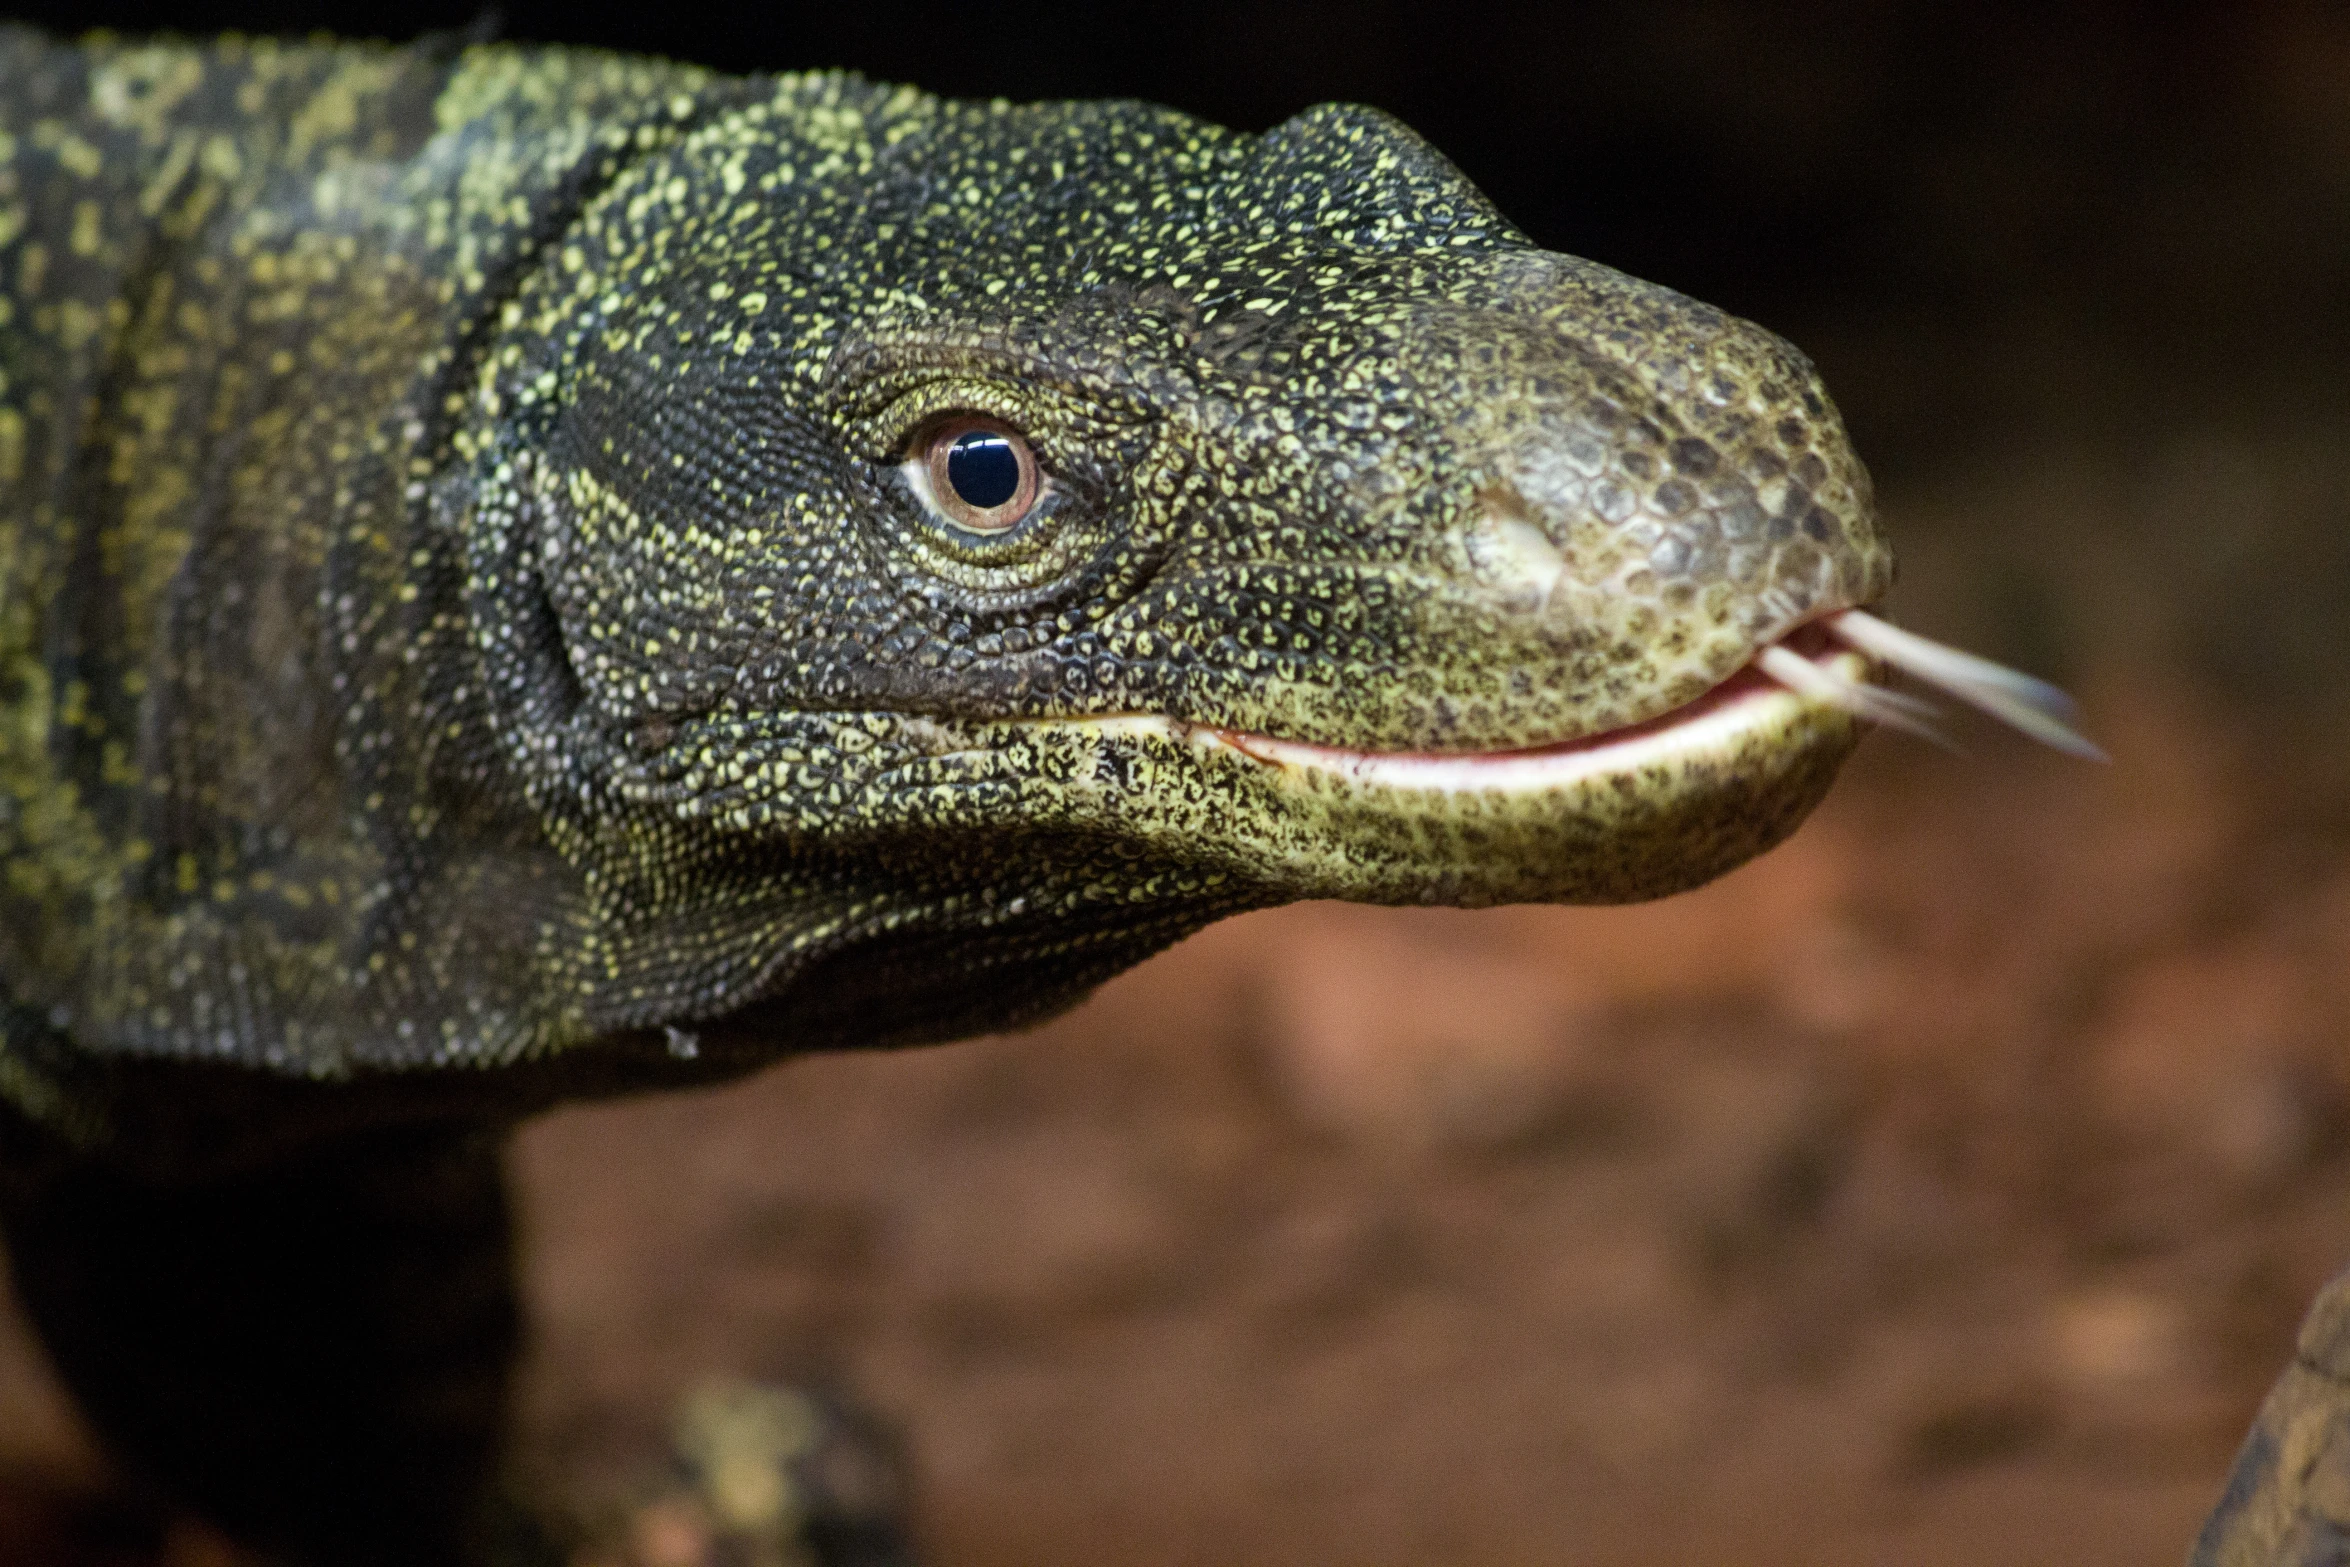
[{"x": 916, "y": 470}]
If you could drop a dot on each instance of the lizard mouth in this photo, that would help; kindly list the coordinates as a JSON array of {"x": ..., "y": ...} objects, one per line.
[
  {"x": 1824, "y": 662},
  {"x": 1630, "y": 813}
]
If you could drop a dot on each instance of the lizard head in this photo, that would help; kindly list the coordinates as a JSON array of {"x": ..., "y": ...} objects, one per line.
[{"x": 993, "y": 539}]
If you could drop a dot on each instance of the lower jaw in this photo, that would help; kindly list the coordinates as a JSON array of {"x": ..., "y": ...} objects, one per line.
[
  {"x": 1620, "y": 822},
  {"x": 1632, "y": 814}
]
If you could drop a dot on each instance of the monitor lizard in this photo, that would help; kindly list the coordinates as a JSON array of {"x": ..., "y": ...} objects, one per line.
[{"x": 528, "y": 574}]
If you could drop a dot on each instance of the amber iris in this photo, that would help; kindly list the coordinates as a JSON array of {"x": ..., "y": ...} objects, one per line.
[{"x": 982, "y": 475}]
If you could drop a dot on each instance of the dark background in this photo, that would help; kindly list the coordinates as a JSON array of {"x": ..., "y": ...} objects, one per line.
[
  {"x": 1991, "y": 224},
  {"x": 1942, "y": 1188},
  {"x": 2157, "y": 187}
]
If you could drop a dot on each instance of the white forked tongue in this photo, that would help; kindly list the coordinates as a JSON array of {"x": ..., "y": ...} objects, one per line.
[{"x": 2032, "y": 706}]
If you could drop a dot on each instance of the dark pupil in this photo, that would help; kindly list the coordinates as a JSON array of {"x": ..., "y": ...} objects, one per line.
[{"x": 984, "y": 470}]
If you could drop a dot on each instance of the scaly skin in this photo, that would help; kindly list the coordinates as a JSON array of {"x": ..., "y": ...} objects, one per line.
[
  {"x": 466, "y": 639},
  {"x": 2287, "y": 1502}
]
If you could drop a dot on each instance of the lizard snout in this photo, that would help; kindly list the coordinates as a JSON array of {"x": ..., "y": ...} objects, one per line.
[{"x": 1650, "y": 521}]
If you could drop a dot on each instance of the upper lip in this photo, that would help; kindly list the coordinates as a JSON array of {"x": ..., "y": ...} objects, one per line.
[
  {"x": 1827, "y": 659},
  {"x": 1730, "y": 707}
]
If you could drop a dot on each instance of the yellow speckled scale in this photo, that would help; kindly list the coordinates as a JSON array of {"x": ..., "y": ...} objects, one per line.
[
  {"x": 480, "y": 624},
  {"x": 459, "y": 605}
]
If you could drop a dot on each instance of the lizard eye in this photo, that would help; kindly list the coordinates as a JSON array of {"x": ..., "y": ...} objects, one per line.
[{"x": 979, "y": 474}]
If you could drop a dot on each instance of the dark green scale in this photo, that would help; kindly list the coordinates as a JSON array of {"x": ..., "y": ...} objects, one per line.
[{"x": 473, "y": 633}]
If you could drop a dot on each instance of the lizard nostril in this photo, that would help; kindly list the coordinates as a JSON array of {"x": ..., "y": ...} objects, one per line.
[{"x": 1517, "y": 558}]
